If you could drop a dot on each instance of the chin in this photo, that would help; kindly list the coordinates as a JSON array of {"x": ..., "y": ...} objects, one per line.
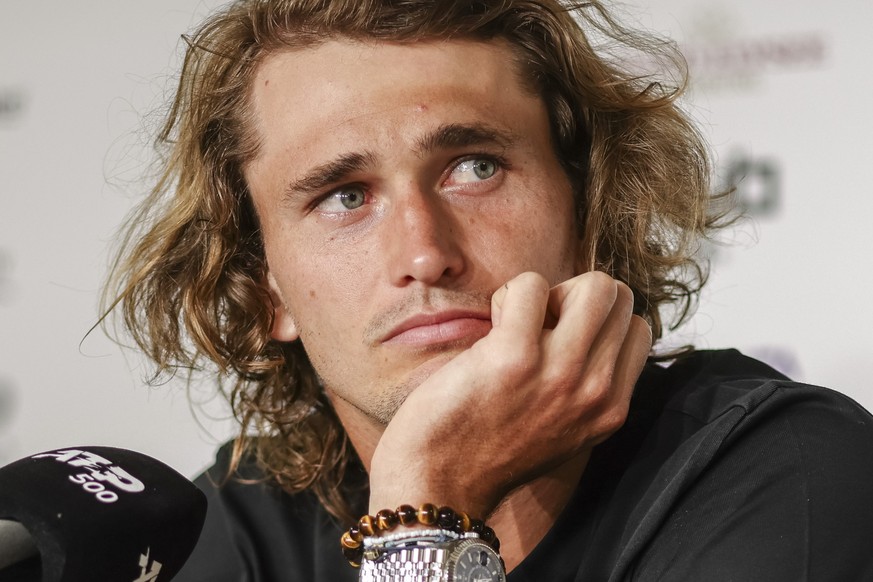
[{"x": 390, "y": 399}]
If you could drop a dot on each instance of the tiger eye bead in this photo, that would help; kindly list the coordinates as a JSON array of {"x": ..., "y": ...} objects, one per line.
[
  {"x": 353, "y": 556},
  {"x": 366, "y": 526},
  {"x": 462, "y": 524},
  {"x": 427, "y": 514},
  {"x": 352, "y": 541},
  {"x": 386, "y": 519},
  {"x": 446, "y": 518},
  {"x": 406, "y": 514},
  {"x": 355, "y": 533},
  {"x": 348, "y": 541}
]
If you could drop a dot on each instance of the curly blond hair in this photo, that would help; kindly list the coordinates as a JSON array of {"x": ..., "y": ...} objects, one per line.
[{"x": 189, "y": 279}]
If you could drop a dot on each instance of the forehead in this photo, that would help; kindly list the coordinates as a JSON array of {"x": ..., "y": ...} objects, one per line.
[{"x": 314, "y": 101}]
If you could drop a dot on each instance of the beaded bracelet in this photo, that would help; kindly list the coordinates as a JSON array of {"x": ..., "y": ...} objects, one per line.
[{"x": 428, "y": 514}]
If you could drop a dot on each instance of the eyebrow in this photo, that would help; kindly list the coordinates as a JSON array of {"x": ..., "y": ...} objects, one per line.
[
  {"x": 456, "y": 135},
  {"x": 327, "y": 174}
]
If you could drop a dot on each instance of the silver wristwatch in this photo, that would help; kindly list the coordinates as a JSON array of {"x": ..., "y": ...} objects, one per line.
[{"x": 430, "y": 556}]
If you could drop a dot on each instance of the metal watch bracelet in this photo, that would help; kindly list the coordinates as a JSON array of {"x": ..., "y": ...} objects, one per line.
[{"x": 430, "y": 556}]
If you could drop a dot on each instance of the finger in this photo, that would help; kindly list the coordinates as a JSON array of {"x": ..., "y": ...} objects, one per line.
[
  {"x": 628, "y": 367},
  {"x": 581, "y": 305},
  {"x": 519, "y": 306},
  {"x": 633, "y": 356},
  {"x": 599, "y": 362}
]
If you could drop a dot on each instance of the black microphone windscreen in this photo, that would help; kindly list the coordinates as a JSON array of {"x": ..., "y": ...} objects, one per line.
[{"x": 103, "y": 514}]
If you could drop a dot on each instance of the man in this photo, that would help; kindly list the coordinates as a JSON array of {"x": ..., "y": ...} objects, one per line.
[{"x": 427, "y": 245}]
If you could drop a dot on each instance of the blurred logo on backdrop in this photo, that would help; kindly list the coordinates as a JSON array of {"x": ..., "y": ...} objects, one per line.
[
  {"x": 12, "y": 103},
  {"x": 756, "y": 182},
  {"x": 737, "y": 50},
  {"x": 754, "y": 187},
  {"x": 721, "y": 57}
]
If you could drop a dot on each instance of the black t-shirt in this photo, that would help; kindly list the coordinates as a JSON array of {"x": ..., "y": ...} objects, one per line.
[{"x": 724, "y": 471}]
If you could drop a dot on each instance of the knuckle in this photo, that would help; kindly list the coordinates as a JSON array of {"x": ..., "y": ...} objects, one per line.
[
  {"x": 600, "y": 281},
  {"x": 599, "y": 388},
  {"x": 515, "y": 362},
  {"x": 560, "y": 379},
  {"x": 536, "y": 283},
  {"x": 613, "y": 420},
  {"x": 624, "y": 294},
  {"x": 599, "y": 289}
]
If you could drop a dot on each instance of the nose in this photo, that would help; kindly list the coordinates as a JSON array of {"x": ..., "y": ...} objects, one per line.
[{"x": 421, "y": 240}]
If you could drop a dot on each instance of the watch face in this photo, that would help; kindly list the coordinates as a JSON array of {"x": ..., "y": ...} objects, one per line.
[{"x": 475, "y": 562}]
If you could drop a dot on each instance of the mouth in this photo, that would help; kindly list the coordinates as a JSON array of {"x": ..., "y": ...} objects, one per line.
[{"x": 436, "y": 329}]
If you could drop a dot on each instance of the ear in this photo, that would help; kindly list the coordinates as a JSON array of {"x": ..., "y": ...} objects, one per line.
[{"x": 284, "y": 327}]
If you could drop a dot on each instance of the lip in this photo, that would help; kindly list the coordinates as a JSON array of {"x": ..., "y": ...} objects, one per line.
[{"x": 442, "y": 327}]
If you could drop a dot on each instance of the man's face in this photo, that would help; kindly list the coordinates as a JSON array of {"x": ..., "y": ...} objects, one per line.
[{"x": 398, "y": 186}]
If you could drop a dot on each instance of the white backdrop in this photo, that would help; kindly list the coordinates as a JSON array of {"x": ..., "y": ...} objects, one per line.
[{"x": 782, "y": 89}]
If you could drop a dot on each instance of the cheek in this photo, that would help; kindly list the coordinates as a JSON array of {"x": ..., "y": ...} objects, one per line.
[
  {"x": 322, "y": 290},
  {"x": 536, "y": 227},
  {"x": 535, "y": 240}
]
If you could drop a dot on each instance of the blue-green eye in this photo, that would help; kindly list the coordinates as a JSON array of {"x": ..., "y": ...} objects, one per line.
[
  {"x": 343, "y": 200},
  {"x": 484, "y": 169},
  {"x": 474, "y": 170}
]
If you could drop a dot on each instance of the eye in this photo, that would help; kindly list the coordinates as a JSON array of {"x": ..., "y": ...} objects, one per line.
[
  {"x": 343, "y": 200},
  {"x": 474, "y": 170}
]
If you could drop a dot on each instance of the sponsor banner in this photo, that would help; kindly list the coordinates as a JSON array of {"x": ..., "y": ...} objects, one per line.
[{"x": 778, "y": 88}]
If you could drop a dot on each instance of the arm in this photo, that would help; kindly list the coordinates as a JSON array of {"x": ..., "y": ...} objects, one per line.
[{"x": 552, "y": 379}]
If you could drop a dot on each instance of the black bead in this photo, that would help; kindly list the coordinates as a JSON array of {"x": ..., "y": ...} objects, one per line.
[
  {"x": 477, "y": 525},
  {"x": 447, "y": 519}
]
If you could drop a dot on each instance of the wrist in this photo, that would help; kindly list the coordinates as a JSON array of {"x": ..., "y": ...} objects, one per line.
[
  {"x": 428, "y": 490},
  {"x": 421, "y": 482}
]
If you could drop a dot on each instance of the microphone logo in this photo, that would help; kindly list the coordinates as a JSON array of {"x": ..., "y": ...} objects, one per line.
[
  {"x": 99, "y": 471},
  {"x": 148, "y": 572}
]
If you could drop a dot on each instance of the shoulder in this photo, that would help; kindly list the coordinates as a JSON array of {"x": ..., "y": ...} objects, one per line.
[
  {"x": 255, "y": 532},
  {"x": 765, "y": 468},
  {"x": 722, "y": 395},
  {"x": 728, "y": 400}
]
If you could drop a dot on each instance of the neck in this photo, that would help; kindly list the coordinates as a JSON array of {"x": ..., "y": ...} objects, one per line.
[{"x": 522, "y": 518}]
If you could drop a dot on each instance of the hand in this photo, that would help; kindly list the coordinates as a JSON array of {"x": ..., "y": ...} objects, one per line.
[{"x": 553, "y": 377}]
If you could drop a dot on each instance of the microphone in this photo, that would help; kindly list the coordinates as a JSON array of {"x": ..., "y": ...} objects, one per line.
[{"x": 96, "y": 514}]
